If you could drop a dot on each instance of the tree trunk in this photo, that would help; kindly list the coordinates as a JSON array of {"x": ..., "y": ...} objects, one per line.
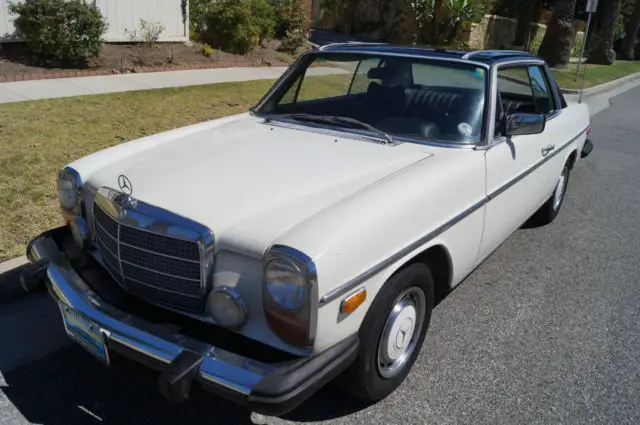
[
  {"x": 602, "y": 52},
  {"x": 525, "y": 12},
  {"x": 627, "y": 50},
  {"x": 556, "y": 45}
]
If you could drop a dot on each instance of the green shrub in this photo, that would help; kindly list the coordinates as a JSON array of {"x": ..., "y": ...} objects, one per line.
[
  {"x": 68, "y": 32},
  {"x": 536, "y": 34},
  {"x": 239, "y": 26},
  {"x": 292, "y": 24},
  {"x": 197, "y": 16},
  {"x": 577, "y": 45},
  {"x": 207, "y": 50}
]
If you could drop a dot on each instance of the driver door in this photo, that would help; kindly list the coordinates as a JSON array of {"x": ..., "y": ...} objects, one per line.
[{"x": 520, "y": 178}]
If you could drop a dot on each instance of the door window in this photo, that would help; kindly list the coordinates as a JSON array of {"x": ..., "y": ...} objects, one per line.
[{"x": 525, "y": 89}]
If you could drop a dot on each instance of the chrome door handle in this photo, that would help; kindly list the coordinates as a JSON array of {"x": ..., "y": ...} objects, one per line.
[{"x": 548, "y": 149}]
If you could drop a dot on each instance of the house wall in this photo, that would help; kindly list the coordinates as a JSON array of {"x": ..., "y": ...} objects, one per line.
[{"x": 123, "y": 15}]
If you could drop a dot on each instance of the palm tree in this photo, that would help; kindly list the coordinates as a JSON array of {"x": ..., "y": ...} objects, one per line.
[
  {"x": 556, "y": 45},
  {"x": 602, "y": 51},
  {"x": 627, "y": 49}
]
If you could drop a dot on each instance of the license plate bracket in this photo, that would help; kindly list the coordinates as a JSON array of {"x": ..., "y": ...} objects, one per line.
[{"x": 86, "y": 333}]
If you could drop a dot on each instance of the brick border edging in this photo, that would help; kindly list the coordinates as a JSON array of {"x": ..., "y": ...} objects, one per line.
[{"x": 134, "y": 70}]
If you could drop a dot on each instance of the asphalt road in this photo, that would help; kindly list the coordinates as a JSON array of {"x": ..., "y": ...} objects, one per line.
[{"x": 546, "y": 331}]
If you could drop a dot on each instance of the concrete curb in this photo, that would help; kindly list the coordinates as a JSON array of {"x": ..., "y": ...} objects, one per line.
[
  {"x": 10, "y": 287},
  {"x": 593, "y": 91}
]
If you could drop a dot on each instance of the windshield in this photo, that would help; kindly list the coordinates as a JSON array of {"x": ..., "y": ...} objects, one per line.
[{"x": 407, "y": 97}]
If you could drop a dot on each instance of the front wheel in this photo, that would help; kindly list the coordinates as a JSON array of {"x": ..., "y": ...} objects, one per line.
[
  {"x": 392, "y": 334},
  {"x": 549, "y": 211}
]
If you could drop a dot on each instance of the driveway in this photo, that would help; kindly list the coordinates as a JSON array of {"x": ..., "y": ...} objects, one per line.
[{"x": 546, "y": 331}]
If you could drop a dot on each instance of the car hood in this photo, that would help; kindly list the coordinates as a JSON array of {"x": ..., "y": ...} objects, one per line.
[{"x": 250, "y": 182}]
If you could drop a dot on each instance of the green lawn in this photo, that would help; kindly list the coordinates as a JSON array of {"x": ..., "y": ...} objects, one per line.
[
  {"x": 596, "y": 74},
  {"x": 38, "y": 138}
]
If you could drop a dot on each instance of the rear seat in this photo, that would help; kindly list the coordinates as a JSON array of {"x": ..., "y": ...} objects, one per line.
[{"x": 427, "y": 104}]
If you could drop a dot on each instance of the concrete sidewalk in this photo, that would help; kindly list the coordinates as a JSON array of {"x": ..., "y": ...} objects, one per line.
[{"x": 78, "y": 86}]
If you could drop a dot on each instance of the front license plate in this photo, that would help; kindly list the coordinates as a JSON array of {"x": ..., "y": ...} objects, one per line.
[{"x": 85, "y": 333}]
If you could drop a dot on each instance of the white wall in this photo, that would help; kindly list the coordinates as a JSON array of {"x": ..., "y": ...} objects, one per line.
[{"x": 121, "y": 15}]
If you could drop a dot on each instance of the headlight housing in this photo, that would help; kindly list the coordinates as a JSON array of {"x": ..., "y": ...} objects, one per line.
[
  {"x": 290, "y": 294},
  {"x": 70, "y": 192}
]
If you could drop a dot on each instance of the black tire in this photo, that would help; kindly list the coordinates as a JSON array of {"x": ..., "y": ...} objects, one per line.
[
  {"x": 549, "y": 211},
  {"x": 364, "y": 379}
]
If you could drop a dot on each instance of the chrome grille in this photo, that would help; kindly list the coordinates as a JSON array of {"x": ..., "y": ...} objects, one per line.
[{"x": 159, "y": 268}]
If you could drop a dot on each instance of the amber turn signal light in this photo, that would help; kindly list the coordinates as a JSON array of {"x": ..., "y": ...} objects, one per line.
[{"x": 351, "y": 303}]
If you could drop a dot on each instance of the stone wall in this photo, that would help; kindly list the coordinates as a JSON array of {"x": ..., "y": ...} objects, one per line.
[{"x": 493, "y": 32}]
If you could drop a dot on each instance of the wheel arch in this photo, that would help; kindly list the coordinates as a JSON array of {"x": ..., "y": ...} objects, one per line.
[
  {"x": 573, "y": 158},
  {"x": 438, "y": 259}
]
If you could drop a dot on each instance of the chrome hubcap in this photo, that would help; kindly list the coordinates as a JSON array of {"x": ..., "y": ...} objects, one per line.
[
  {"x": 401, "y": 332},
  {"x": 559, "y": 193}
]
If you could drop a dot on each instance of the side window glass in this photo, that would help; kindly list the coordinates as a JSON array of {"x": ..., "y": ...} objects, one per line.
[
  {"x": 542, "y": 94},
  {"x": 361, "y": 79},
  {"x": 516, "y": 93}
]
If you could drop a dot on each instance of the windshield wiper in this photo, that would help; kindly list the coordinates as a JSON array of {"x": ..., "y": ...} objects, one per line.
[{"x": 333, "y": 119}]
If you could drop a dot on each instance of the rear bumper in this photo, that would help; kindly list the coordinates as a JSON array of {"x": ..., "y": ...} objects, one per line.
[{"x": 269, "y": 388}]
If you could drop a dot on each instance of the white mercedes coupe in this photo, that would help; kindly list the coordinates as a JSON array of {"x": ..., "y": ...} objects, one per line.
[{"x": 265, "y": 254}]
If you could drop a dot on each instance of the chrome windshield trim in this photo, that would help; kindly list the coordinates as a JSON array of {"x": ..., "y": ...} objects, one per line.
[
  {"x": 397, "y": 139},
  {"x": 366, "y": 275}
]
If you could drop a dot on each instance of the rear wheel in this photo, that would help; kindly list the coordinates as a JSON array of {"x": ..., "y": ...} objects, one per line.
[
  {"x": 549, "y": 211},
  {"x": 392, "y": 334}
]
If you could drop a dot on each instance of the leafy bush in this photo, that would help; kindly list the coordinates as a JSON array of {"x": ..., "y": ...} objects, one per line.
[
  {"x": 238, "y": 26},
  {"x": 148, "y": 33},
  {"x": 207, "y": 50},
  {"x": 65, "y": 31},
  {"x": 292, "y": 24},
  {"x": 197, "y": 16},
  {"x": 577, "y": 45}
]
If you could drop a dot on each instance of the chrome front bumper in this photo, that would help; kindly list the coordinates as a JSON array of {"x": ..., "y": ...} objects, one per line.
[{"x": 264, "y": 387}]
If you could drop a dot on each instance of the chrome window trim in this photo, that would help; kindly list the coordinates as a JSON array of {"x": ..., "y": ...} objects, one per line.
[
  {"x": 492, "y": 139},
  {"x": 364, "y": 133},
  {"x": 128, "y": 210},
  {"x": 366, "y": 275}
]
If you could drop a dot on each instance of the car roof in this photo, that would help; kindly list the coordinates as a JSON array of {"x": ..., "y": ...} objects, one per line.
[{"x": 488, "y": 57}]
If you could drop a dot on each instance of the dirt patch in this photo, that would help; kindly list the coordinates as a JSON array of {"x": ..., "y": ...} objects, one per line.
[{"x": 123, "y": 58}]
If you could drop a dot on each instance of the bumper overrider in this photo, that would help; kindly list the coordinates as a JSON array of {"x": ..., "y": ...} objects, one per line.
[{"x": 272, "y": 388}]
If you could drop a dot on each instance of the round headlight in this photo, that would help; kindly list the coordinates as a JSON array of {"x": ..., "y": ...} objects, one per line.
[
  {"x": 285, "y": 283},
  {"x": 227, "y": 308},
  {"x": 68, "y": 190}
]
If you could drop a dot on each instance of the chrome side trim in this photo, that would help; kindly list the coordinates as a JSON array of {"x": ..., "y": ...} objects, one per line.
[
  {"x": 530, "y": 170},
  {"x": 504, "y": 52},
  {"x": 358, "y": 280}
]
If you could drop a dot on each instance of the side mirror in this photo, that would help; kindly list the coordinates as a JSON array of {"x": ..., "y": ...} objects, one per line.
[{"x": 522, "y": 124}]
